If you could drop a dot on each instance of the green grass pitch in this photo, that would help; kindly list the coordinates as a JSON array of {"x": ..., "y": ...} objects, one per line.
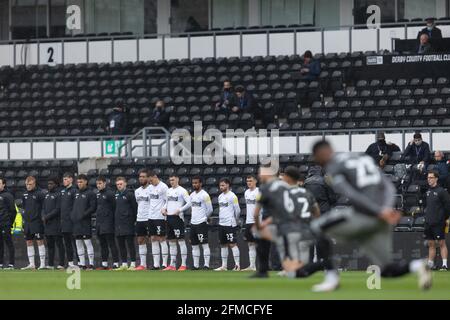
[{"x": 206, "y": 285}]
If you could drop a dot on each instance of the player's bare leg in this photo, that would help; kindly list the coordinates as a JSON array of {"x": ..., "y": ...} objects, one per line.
[
  {"x": 444, "y": 254},
  {"x": 431, "y": 253}
]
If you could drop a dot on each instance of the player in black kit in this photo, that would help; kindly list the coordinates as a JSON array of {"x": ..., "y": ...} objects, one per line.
[{"x": 7, "y": 217}]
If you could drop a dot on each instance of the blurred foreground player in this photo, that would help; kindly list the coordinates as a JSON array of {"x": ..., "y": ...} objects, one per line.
[{"x": 367, "y": 221}]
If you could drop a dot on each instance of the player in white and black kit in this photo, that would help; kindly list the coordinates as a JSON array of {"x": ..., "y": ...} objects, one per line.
[
  {"x": 367, "y": 221},
  {"x": 178, "y": 201},
  {"x": 201, "y": 210},
  {"x": 142, "y": 195},
  {"x": 157, "y": 221},
  {"x": 250, "y": 196},
  {"x": 229, "y": 211}
]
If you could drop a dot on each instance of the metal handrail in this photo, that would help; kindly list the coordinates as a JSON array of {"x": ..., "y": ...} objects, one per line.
[{"x": 145, "y": 136}]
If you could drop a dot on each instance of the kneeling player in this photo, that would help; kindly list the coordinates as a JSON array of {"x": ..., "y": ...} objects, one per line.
[
  {"x": 177, "y": 202},
  {"x": 229, "y": 211},
  {"x": 367, "y": 222},
  {"x": 201, "y": 209},
  {"x": 291, "y": 209}
]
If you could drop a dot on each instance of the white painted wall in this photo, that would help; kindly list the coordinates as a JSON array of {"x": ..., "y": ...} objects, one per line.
[{"x": 202, "y": 47}]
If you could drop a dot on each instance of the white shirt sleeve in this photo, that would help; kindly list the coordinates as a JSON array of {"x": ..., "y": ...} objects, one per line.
[
  {"x": 187, "y": 200},
  {"x": 237, "y": 209},
  {"x": 208, "y": 204}
]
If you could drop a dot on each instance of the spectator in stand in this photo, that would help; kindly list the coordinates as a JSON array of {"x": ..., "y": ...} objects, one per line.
[
  {"x": 381, "y": 150},
  {"x": 442, "y": 166},
  {"x": 159, "y": 116},
  {"x": 424, "y": 45},
  {"x": 243, "y": 101},
  {"x": 226, "y": 96},
  {"x": 311, "y": 68},
  {"x": 417, "y": 151},
  {"x": 117, "y": 121},
  {"x": 430, "y": 30}
]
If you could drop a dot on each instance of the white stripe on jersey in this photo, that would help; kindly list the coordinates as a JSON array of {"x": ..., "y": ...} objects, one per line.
[
  {"x": 177, "y": 198},
  {"x": 143, "y": 200},
  {"x": 158, "y": 197},
  {"x": 201, "y": 207},
  {"x": 228, "y": 209},
  {"x": 250, "y": 204}
]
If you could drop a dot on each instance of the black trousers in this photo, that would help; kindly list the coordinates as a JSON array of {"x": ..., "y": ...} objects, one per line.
[
  {"x": 52, "y": 243},
  {"x": 68, "y": 244},
  {"x": 263, "y": 255},
  {"x": 108, "y": 244},
  {"x": 6, "y": 238},
  {"x": 124, "y": 242}
]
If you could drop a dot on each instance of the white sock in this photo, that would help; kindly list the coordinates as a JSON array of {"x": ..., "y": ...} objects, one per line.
[
  {"x": 206, "y": 254},
  {"x": 156, "y": 254},
  {"x": 164, "y": 252},
  {"x": 235, "y": 251},
  {"x": 80, "y": 252},
  {"x": 173, "y": 253},
  {"x": 196, "y": 255},
  {"x": 224, "y": 256},
  {"x": 124, "y": 264},
  {"x": 41, "y": 249},
  {"x": 30, "y": 252},
  {"x": 444, "y": 262},
  {"x": 183, "y": 252},
  {"x": 133, "y": 264},
  {"x": 105, "y": 264},
  {"x": 415, "y": 265},
  {"x": 70, "y": 264},
  {"x": 90, "y": 251},
  {"x": 116, "y": 264},
  {"x": 143, "y": 254},
  {"x": 252, "y": 255}
]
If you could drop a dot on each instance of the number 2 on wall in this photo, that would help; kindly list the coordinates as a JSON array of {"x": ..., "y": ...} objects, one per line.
[{"x": 50, "y": 52}]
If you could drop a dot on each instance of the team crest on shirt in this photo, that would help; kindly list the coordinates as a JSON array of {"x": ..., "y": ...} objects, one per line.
[
  {"x": 223, "y": 204},
  {"x": 172, "y": 198},
  {"x": 196, "y": 204},
  {"x": 154, "y": 196}
]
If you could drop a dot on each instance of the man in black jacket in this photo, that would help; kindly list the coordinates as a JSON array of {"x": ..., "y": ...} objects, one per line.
[
  {"x": 437, "y": 211},
  {"x": 84, "y": 207},
  {"x": 381, "y": 150},
  {"x": 226, "y": 97},
  {"x": 106, "y": 206},
  {"x": 418, "y": 154},
  {"x": 124, "y": 222},
  {"x": 67, "y": 198},
  {"x": 117, "y": 121},
  {"x": 159, "y": 116},
  {"x": 33, "y": 226},
  {"x": 51, "y": 216},
  {"x": 430, "y": 30},
  {"x": 7, "y": 217}
]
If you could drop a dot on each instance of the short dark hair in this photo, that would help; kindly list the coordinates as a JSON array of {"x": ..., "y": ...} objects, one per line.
[
  {"x": 225, "y": 180},
  {"x": 121, "y": 179},
  {"x": 53, "y": 179},
  {"x": 82, "y": 177},
  {"x": 144, "y": 170},
  {"x": 417, "y": 135},
  {"x": 68, "y": 175},
  {"x": 239, "y": 89},
  {"x": 302, "y": 177},
  {"x": 152, "y": 173},
  {"x": 292, "y": 172},
  {"x": 319, "y": 145},
  {"x": 308, "y": 54},
  {"x": 101, "y": 178},
  {"x": 174, "y": 175},
  {"x": 200, "y": 179},
  {"x": 435, "y": 173},
  {"x": 251, "y": 176},
  {"x": 3, "y": 180}
]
